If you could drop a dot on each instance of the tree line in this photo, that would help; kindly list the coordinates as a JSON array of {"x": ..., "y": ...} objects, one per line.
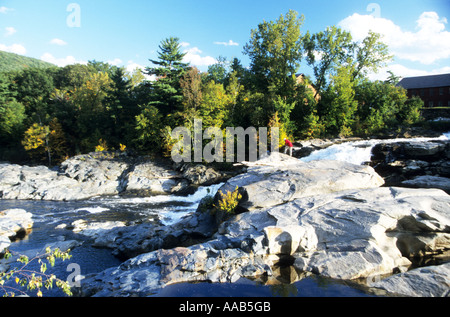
[{"x": 54, "y": 113}]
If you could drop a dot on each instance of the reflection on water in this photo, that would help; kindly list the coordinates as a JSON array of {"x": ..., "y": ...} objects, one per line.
[
  {"x": 53, "y": 220},
  {"x": 310, "y": 286},
  {"x": 286, "y": 281}
]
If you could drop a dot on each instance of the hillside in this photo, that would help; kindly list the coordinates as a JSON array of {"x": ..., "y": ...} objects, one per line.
[{"x": 11, "y": 62}]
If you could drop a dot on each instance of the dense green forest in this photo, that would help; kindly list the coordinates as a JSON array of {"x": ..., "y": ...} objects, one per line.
[
  {"x": 10, "y": 62},
  {"x": 49, "y": 114}
]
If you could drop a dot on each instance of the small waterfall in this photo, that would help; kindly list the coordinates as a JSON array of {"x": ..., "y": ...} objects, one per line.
[{"x": 359, "y": 152}]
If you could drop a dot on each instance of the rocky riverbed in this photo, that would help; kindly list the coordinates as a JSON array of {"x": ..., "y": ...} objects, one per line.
[
  {"x": 327, "y": 218},
  {"x": 99, "y": 174}
]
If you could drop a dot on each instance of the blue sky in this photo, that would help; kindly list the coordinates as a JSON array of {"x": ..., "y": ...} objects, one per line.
[{"x": 127, "y": 33}]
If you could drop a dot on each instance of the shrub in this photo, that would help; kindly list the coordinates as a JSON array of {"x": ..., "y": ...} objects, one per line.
[
  {"x": 32, "y": 280},
  {"x": 229, "y": 201}
]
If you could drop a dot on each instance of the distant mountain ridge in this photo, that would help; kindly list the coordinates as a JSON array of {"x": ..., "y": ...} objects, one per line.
[{"x": 13, "y": 62}]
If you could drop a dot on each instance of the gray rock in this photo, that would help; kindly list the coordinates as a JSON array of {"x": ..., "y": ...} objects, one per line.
[
  {"x": 431, "y": 281},
  {"x": 132, "y": 241},
  {"x": 146, "y": 274},
  {"x": 424, "y": 149},
  {"x": 152, "y": 178},
  {"x": 428, "y": 181},
  {"x": 402, "y": 163},
  {"x": 200, "y": 174},
  {"x": 86, "y": 176},
  {"x": 352, "y": 234},
  {"x": 280, "y": 178},
  {"x": 13, "y": 222}
]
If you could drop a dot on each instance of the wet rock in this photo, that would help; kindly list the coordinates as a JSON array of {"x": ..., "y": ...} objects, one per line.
[
  {"x": 14, "y": 224},
  {"x": 431, "y": 281},
  {"x": 413, "y": 163},
  {"x": 148, "y": 273},
  {"x": 427, "y": 181}
]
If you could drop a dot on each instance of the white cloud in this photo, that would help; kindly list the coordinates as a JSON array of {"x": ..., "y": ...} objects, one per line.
[
  {"x": 10, "y": 31},
  {"x": 194, "y": 58},
  {"x": 14, "y": 48},
  {"x": 61, "y": 62},
  {"x": 229, "y": 43},
  {"x": 115, "y": 62},
  {"x": 5, "y": 10},
  {"x": 131, "y": 66},
  {"x": 429, "y": 43},
  {"x": 58, "y": 42},
  {"x": 184, "y": 44}
]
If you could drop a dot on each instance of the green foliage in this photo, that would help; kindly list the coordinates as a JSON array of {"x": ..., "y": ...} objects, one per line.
[
  {"x": 218, "y": 71},
  {"x": 371, "y": 55},
  {"x": 10, "y": 62},
  {"x": 410, "y": 111},
  {"x": 191, "y": 86},
  {"x": 46, "y": 142},
  {"x": 34, "y": 281},
  {"x": 148, "y": 126},
  {"x": 338, "y": 104},
  {"x": 275, "y": 51},
  {"x": 58, "y": 112},
  {"x": 383, "y": 105},
  {"x": 166, "y": 91},
  {"x": 326, "y": 51},
  {"x": 215, "y": 105},
  {"x": 12, "y": 117}
]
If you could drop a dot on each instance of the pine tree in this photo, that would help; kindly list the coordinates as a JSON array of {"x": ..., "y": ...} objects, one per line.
[{"x": 166, "y": 90}]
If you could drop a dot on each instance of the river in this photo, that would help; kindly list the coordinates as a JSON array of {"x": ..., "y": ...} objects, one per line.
[{"x": 51, "y": 220}]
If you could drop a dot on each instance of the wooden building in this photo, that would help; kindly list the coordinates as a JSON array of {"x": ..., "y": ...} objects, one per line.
[{"x": 434, "y": 90}]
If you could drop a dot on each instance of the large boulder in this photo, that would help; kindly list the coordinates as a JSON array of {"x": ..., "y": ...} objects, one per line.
[
  {"x": 128, "y": 242},
  {"x": 38, "y": 182},
  {"x": 353, "y": 234},
  {"x": 279, "y": 178},
  {"x": 76, "y": 180},
  {"x": 431, "y": 281},
  {"x": 14, "y": 223},
  {"x": 148, "y": 273},
  {"x": 97, "y": 173},
  {"x": 428, "y": 181},
  {"x": 153, "y": 178},
  {"x": 413, "y": 163}
]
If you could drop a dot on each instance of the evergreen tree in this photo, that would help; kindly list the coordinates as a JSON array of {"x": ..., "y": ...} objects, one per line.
[
  {"x": 121, "y": 107},
  {"x": 166, "y": 92}
]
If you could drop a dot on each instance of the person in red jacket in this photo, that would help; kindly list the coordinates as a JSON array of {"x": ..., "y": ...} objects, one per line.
[{"x": 288, "y": 146}]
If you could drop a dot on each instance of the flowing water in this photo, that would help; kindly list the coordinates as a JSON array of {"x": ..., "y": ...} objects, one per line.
[
  {"x": 358, "y": 152},
  {"x": 52, "y": 218}
]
